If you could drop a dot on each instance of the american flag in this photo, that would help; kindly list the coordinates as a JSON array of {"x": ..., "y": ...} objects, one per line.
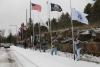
[{"x": 36, "y": 7}]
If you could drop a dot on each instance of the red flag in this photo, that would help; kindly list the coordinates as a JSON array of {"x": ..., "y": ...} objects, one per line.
[{"x": 36, "y": 7}]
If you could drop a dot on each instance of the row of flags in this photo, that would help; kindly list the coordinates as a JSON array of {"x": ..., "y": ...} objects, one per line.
[
  {"x": 76, "y": 15},
  {"x": 54, "y": 7}
]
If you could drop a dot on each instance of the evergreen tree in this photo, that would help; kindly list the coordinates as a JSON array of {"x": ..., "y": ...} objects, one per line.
[
  {"x": 30, "y": 29},
  {"x": 64, "y": 20},
  {"x": 11, "y": 38},
  {"x": 87, "y": 10},
  {"x": 54, "y": 24},
  {"x": 96, "y": 11},
  {"x": 93, "y": 11},
  {"x": 36, "y": 28},
  {"x": 43, "y": 29}
]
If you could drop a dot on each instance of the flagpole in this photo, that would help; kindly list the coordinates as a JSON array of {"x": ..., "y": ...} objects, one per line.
[
  {"x": 72, "y": 30},
  {"x": 30, "y": 10},
  {"x": 26, "y": 16},
  {"x": 39, "y": 36},
  {"x": 50, "y": 30},
  {"x": 32, "y": 22},
  {"x": 39, "y": 32},
  {"x": 49, "y": 23}
]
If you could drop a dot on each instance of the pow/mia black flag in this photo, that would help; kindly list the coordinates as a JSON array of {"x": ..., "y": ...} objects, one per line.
[{"x": 56, "y": 7}]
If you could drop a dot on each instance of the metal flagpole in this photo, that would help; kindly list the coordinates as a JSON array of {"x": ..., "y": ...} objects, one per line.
[
  {"x": 33, "y": 34},
  {"x": 30, "y": 20},
  {"x": 39, "y": 32},
  {"x": 26, "y": 16},
  {"x": 72, "y": 30},
  {"x": 50, "y": 23},
  {"x": 39, "y": 36},
  {"x": 30, "y": 11}
]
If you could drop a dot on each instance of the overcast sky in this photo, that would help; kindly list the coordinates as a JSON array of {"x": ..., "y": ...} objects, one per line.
[{"x": 12, "y": 12}]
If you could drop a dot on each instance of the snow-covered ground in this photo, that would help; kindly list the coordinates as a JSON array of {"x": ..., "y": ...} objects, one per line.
[
  {"x": 3, "y": 58},
  {"x": 85, "y": 57},
  {"x": 31, "y": 58},
  {"x": 7, "y": 58}
]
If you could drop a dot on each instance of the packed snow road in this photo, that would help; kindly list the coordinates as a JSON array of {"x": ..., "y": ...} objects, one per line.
[
  {"x": 31, "y": 58},
  {"x": 10, "y": 58},
  {"x": 6, "y": 58},
  {"x": 20, "y": 57}
]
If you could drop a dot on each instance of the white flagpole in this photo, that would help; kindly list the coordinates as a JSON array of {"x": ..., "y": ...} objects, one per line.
[
  {"x": 30, "y": 12},
  {"x": 32, "y": 22},
  {"x": 72, "y": 30},
  {"x": 26, "y": 16},
  {"x": 49, "y": 23},
  {"x": 39, "y": 36},
  {"x": 39, "y": 31}
]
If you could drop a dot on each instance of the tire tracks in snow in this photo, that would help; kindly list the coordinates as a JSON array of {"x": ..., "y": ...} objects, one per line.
[
  {"x": 34, "y": 64},
  {"x": 11, "y": 58}
]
